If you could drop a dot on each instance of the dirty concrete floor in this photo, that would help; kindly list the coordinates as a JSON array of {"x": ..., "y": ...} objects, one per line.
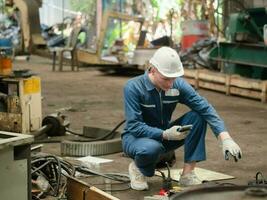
[{"x": 90, "y": 97}]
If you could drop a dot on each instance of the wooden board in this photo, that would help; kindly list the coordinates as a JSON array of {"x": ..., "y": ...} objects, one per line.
[
  {"x": 228, "y": 84},
  {"x": 79, "y": 190}
]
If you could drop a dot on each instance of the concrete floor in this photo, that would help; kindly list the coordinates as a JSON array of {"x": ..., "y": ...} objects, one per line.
[{"x": 96, "y": 100}]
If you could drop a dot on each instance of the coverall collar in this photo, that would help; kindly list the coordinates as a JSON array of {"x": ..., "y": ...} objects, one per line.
[{"x": 149, "y": 85}]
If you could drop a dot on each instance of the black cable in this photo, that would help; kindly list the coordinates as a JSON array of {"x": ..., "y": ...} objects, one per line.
[
  {"x": 111, "y": 133},
  {"x": 112, "y": 176},
  {"x": 55, "y": 166},
  {"x": 51, "y": 168},
  {"x": 40, "y": 167}
]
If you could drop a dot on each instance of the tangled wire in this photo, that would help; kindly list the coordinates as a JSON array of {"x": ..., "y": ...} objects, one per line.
[{"x": 49, "y": 174}]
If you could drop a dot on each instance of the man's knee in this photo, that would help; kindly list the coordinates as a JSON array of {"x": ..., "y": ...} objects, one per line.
[{"x": 150, "y": 151}]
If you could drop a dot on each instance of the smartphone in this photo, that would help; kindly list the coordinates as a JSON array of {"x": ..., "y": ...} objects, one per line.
[{"x": 185, "y": 128}]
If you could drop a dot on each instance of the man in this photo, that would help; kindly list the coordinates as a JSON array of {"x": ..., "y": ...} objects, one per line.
[{"x": 150, "y": 100}]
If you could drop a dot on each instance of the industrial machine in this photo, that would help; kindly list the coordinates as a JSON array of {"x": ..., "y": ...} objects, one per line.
[
  {"x": 20, "y": 104},
  {"x": 15, "y": 150},
  {"x": 245, "y": 52}
]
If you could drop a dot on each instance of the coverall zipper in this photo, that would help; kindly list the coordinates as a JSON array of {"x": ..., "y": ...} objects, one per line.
[{"x": 161, "y": 107}]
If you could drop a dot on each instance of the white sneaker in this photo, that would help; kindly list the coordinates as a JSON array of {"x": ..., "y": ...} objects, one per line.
[
  {"x": 138, "y": 180},
  {"x": 189, "y": 179}
]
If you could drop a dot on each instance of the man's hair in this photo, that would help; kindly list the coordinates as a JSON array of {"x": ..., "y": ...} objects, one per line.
[{"x": 149, "y": 67}]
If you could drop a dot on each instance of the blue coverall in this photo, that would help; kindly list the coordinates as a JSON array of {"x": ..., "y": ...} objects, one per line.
[{"x": 148, "y": 113}]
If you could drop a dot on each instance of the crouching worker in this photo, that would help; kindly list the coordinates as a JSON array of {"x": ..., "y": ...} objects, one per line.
[{"x": 150, "y": 100}]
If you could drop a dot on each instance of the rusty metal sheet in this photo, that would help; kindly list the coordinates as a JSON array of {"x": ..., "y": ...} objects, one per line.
[
  {"x": 13, "y": 104},
  {"x": 11, "y": 122}
]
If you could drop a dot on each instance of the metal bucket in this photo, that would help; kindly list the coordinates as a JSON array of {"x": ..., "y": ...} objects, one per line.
[{"x": 223, "y": 193}]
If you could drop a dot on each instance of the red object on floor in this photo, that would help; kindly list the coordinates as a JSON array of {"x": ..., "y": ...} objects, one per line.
[{"x": 163, "y": 192}]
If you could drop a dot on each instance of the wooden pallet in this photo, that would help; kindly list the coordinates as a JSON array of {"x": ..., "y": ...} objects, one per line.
[{"x": 228, "y": 84}]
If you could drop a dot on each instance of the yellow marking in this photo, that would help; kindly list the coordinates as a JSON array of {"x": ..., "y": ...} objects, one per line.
[{"x": 32, "y": 85}]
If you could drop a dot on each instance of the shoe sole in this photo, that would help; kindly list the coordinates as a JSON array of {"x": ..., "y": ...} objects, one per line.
[{"x": 139, "y": 189}]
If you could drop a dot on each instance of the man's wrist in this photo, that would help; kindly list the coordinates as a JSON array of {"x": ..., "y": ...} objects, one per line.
[{"x": 224, "y": 135}]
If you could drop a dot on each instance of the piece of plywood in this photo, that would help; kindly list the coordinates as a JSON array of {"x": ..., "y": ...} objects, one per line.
[
  {"x": 246, "y": 83},
  {"x": 212, "y": 76},
  {"x": 203, "y": 174},
  {"x": 212, "y": 86},
  {"x": 245, "y": 92},
  {"x": 79, "y": 190}
]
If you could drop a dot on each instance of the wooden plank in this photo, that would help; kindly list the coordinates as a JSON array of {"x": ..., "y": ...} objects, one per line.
[
  {"x": 76, "y": 189},
  {"x": 229, "y": 84},
  {"x": 79, "y": 190},
  {"x": 197, "y": 79},
  {"x": 246, "y": 83},
  {"x": 190, "y": 73},
  {"x": 245, "y": 92},
  {"x": 264, "y": 92},
  {"x": 97, "y": 194},
  {"x": 212, "y": 86},
  {"x": 212, "y": 76},
  {"x": 191, "y": 81}
]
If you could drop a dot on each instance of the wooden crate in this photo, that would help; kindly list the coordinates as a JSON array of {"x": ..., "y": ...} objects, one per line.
[{"x": 228, "y": 84}]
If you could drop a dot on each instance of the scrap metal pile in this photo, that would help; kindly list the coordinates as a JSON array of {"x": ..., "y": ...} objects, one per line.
[{"x": 198, "y": 55}]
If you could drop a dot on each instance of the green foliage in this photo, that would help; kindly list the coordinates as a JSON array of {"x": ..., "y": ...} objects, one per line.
[
  {"x": 180, "y": 2},
  {"x": 2, "y": 6},
  {"x": 154, "y": 3},
  {"x": 83, "y": 6},
  {"x": 112, "y": 33}
]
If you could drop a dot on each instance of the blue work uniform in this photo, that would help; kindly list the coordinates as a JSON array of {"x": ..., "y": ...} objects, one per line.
[{"x": 148, "y": 113}]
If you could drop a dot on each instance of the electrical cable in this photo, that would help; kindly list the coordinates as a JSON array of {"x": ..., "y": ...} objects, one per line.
[
  {"x": 113, "y": 176},
  {"x": 121, "y": 178},
  {"x": 40, "y": 164},
  {"x": 52, "y": 169},
  {"x": 111, "y": 134}
]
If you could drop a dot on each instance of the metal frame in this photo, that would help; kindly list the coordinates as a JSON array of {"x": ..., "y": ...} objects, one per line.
[{"x": 91, "y": 57}]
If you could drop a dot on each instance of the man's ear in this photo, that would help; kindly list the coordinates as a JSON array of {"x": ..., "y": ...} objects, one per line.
[{"x": 152, "y": 70}]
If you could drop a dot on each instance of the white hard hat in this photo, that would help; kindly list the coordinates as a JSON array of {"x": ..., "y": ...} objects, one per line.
[{"x": 167, "y": 62}]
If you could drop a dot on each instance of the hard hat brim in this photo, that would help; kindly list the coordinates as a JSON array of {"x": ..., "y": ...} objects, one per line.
[
  {"x": 173, "y": 75},
  {"x": 168, "y": 75}
]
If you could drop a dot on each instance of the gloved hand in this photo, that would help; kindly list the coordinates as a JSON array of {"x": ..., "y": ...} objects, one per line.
[
  {"x": 230, "y": 147},
  {"x": 173, "y": 133}
]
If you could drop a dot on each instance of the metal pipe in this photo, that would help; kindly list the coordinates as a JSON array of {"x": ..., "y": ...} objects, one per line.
[{"x": 41, "y": 130}]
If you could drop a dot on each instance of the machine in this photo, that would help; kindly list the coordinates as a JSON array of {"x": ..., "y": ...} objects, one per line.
[
  {"x": 245, "y": 52},
  {"x": 20, "y": 104}
]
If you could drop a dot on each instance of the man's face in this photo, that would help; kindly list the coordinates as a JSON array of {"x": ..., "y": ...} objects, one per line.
[{"x": 160, "y": 81}]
